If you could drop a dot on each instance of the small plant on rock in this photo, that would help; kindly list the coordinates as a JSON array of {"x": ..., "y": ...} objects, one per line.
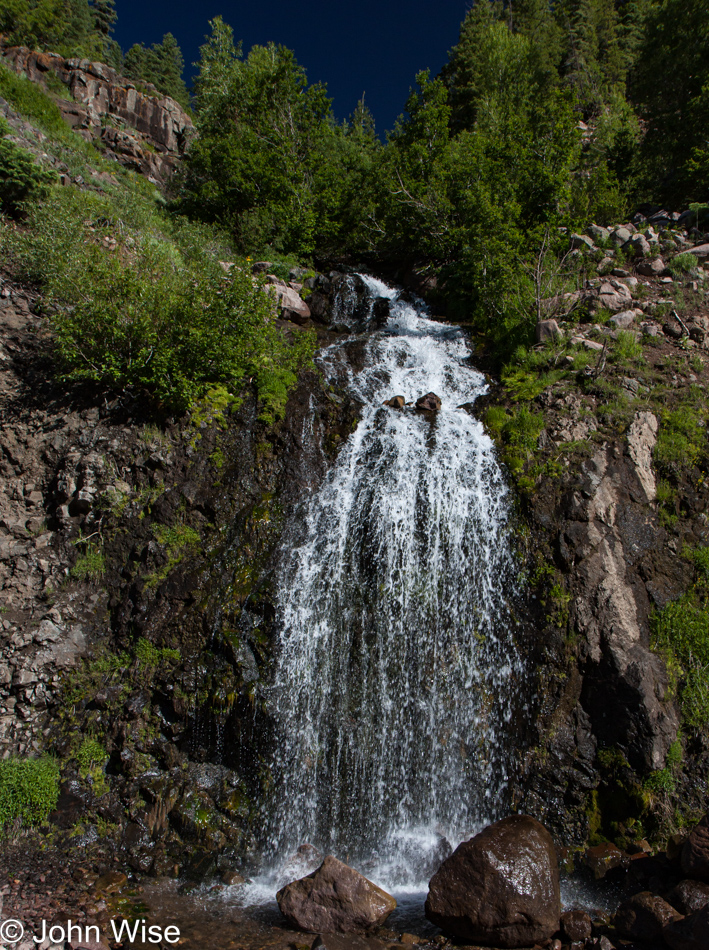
[{"x": 29, "y": 789}]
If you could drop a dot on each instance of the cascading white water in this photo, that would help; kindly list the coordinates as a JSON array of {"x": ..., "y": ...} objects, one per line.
[{"x": 394, "y": 680}]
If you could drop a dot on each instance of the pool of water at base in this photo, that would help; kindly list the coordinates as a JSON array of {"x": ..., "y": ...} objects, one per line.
[{"x": 228, "y": 918}]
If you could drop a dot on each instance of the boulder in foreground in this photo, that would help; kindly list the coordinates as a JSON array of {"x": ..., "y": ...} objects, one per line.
[
  {"x": 500, "y": 888},
  {"x": 689, "y": 933},
  {"x": 335, "y": 899}
]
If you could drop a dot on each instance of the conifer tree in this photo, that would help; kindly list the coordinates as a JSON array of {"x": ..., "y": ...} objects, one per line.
[{"x": 162, "y": 65}]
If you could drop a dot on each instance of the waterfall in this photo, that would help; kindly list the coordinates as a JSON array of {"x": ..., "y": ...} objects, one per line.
[{"x": 394, "y": 684}]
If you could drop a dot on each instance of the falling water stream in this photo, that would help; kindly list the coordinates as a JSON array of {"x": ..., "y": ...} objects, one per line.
[{"x": 394, "y": 684}]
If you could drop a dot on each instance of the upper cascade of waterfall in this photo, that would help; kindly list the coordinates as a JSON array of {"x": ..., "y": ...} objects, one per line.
[{"x": 395, "y": 679}]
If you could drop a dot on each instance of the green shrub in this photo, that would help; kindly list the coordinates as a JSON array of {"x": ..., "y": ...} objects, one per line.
[
  {"x": 29, "y": 789},
  {"x": 32, "y": 102},
  {"x": 21, "y": 178},
  {"x": 91, "y": 754},
  {"x": 683, "y": 263},
  {"x": 91, "y": 565},
  {"x": 136, "y": 311},
  {"x": 700, "y": 557},
  {"x": 680, "y": 631},
  {"x": 150, "y": 657},
  {"x": 628, "y": 347},
  {"x": 681, "y": 439}
]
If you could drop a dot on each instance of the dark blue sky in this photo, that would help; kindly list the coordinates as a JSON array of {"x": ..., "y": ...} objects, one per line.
[{"x": 375, "y": 48}]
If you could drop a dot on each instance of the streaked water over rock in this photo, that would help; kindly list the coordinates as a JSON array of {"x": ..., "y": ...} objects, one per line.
[{"x": 395, "y": 680}]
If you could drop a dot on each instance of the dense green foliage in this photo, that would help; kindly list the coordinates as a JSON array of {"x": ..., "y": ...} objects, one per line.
[
  {"x": 269, "y": 162},
  {"x": 32, "y": 103},
  {"x": 547, "y": 115},
  {"x": 162, "y": 65},
  {"x": 145, "y": 304},
  {"x": 681, "y": 634},
  {"x": 534, "y": 123},
  {"x": 671, "y": 88},
  {"x": 68, "y": 27},
  {"x": 21, "y": 178},
  {"x": 29, "y": 789}
]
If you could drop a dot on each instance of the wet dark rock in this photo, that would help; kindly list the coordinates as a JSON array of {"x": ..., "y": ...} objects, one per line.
[
  {"x": 695, "y": 853},
  {"x": 501, "y": 887},
  {"x": 575, "y": 925},
  {"x": 428, "y": 403},
  {"x": 110, "y": 883},
  {"x": 335, "y": 898},
  {"x": 201, "y": 866},
  {"x": 136, "y": 703},
  {"x": 603, "y": 858},
  {"x": 71, "y": 806},
  {"x": 320, "y": 306},
  {"x": 689, "y": 933},
  {"x": 688, "y": 896},
  {"x": 104, "y": 698},
  {"x": 232, "y": 878},
  {"x": 675, "y": 843},
  {"x": 396, "y": 402},
  {"x": 381, "y": 310},
  {"x": 644, "y": 917}
]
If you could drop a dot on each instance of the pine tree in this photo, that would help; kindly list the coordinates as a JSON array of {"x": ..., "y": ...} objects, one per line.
[
  {"x": 105, "y": 16},
  {"x": 162, "y": 65}
]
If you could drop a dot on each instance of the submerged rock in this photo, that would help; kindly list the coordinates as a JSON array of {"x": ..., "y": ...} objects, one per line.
[
  {"x": 429, "y": 403},
  {"x": 335, "y": 898},
  {"x": 501, "y": 887}
]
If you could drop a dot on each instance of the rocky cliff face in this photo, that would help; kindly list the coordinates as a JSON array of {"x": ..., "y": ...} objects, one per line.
[
  {"x": 139, "y": 127},
  {"x": 610, "y": 522},
  {"x": 126, "y": 536}
]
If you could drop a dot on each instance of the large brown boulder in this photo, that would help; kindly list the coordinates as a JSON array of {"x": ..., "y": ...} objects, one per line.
[
  {"x": 689, "y": 933},
  {"x": 644, "y": 917},
  {"x": 695, "y": 853},
  {"x": 335, "y": 898},
  {"x": 499, "y": 888}
]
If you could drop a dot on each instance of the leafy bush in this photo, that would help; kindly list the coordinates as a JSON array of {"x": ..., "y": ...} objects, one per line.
[
  {"x": 90, "y": 754},
  {"x": 21, "y": 178},
  {"x": 681, "y": 439},
  {"x": 518, "y": 432},
  {"x": 32, "y": 102},
  {"x": 29, "y": 789},
  {"x": 144, "y": 309},
  {"x": 628, "y": 347},
  {"x": 683, "y": 263},
  {"x": 681, "y": 632},
  {"x": 150, "y": 657}
]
